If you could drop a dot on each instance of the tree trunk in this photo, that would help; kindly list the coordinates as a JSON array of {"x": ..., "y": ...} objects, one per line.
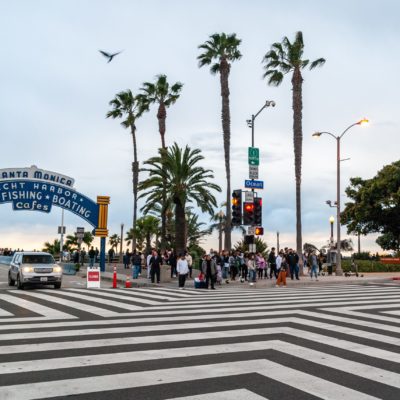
[
  {"x": 180, "y": 228},
  {"x": 226, "y": 129},
  {"x": 148, "y": 243},
  {"x": 297, "y": 82},
  {"x": 135, "y": 181},
  {"x": 162, "y": 116}
]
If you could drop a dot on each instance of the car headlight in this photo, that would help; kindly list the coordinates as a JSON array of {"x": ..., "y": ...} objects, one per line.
[
  {"x": 27, "y": 269},
  {"x": 57, "y": 269}
]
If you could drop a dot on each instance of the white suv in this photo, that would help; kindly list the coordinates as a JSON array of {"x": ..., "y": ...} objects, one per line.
[{"x": 34, "y": 268}]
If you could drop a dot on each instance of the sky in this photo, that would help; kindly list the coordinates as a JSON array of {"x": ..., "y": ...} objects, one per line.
[{"x": 56, "y": 86}]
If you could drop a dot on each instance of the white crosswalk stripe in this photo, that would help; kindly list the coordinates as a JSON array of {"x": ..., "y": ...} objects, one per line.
[{"x": 325, "y": 342}]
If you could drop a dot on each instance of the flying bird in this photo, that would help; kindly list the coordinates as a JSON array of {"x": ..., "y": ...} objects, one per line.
[{"x": 108, "y": 55}]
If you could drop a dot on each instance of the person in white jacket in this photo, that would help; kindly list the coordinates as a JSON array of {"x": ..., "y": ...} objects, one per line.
[{"x": 182, "y": 268}]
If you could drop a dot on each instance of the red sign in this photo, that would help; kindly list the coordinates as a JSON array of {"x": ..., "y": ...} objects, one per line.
[{"x": 93, "y": 276}]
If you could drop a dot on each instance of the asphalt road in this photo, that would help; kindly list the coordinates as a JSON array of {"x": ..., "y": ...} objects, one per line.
[{"x": 329, "y": 342}]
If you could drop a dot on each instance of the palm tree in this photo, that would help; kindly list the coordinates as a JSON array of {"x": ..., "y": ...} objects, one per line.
[
  {"x": 125, "y": 105},
  {"x": 220, "y": 50},
  {"x": 283, "y": 58},
  {"x": 114, "y": 241},
  {"x": 185, "y": 182},
  {"x": 146, "y": 228},
  {"x": 164, "y": 95},
  {"x": 52, "y": 248}
]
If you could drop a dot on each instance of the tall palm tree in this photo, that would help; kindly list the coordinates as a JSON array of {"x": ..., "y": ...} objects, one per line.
[
  {"x": 283, "y": 58},
  {"x": 185, "y": 182},
  {"x": 164, "y": 95},
  {"x": 128, "y": 107},
  {"x": 221, "y": 50}
]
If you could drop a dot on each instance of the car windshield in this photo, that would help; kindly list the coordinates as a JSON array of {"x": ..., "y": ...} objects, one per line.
[{"x": 37, "y": 259}]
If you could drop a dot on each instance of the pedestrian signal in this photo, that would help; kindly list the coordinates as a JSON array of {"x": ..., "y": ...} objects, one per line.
[
  {"x": 259, "y": 231},
  {"x": 237, "y": 207}
]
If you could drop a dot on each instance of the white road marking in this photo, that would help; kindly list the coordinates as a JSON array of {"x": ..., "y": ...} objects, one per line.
[
  {"x": 35, "y": 307},
  {"x": 94, "y": 384},
  {"x": 73, "y": 304},
  {"x": 305, "y": 353},
  {"x": 238, "y": 394}
]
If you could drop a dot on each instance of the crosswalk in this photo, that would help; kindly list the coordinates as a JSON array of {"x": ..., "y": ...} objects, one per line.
[{"x": 327, "y": 342}]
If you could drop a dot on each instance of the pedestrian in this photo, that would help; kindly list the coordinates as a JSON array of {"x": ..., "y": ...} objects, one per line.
[
  {"x": 225, "y": 265},
  {"x": 260, "y": 262},
  {"x": 293, "y": 261},
  {"x": 281, "y": 267},
  {"x": 272, "y": 264},
  {"x": 182, "y": 268},
  {"x": 189, "y": 260},
  {"x": 155, "y": 265},
  {"x": 172, "y": 263},
  {"x": 148, "y": 258},
  {"x": 243, "y": 267},
  {"x": 83, "y": 255},
  {"x": 127, "y": 259},
  {"x": 252, "y": 267},
  {"x": 136, "y": 261},
  {"x": 314, "y": 265},
  {"x": 209, "y": 269},
  {"x": 110, "y": 255},
  {"x": 92, "y": 257}
]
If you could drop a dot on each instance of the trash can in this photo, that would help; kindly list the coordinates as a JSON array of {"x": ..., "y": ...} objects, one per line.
[{"x": 330, "y": 268}]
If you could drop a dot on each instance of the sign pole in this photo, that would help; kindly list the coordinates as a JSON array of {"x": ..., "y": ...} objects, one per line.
[
  {"x": 62, "y": 236},
  {"x": 102, "y": 254}
]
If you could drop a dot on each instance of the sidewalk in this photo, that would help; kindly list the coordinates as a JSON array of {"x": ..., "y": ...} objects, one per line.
[{"x": 142, "y": 281}]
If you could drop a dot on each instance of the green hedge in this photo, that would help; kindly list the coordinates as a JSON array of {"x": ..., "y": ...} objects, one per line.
[{"x": 371, "y": 266}]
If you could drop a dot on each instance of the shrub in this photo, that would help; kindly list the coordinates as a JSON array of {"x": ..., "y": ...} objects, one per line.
[{"x": 370, "y": 266}]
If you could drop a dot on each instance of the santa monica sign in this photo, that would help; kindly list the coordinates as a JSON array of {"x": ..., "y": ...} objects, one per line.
[
  {"x": 38, "y": 190},
  {"x": 34, "y": 189}
]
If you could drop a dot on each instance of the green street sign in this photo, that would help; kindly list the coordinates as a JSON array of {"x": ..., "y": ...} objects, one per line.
[{"x": 254, "y": 156}]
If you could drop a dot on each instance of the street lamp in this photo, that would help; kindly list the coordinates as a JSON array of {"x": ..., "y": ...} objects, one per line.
[
  {"x": 250, "y": 122},
  {"x": 363, "y": 121},
  {"x": 221, "y": 216}
]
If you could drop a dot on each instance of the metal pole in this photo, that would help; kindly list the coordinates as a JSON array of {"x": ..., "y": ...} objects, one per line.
[
  {"x": 220, "y": 236},
  {"x": 339, "y": 270},
  {"x": 277, "y": 241},
  {"x": 120, "y": 243},
  {"x": 252, "y": 130},
  {"x": 102, "y": 254},
  {"x": 359, "y": 243},
  {"x": 62, "y": 236}
]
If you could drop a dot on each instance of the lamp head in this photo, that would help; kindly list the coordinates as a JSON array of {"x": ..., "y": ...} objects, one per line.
[
  {"x": 331, "y": 220},
  {"x": 328, "y": 202},
  {"x": 316, "y": 135},
  {"x": 363, "y": 122},
  {"x": 269, "y": 103},
  {"x": 249, "y": 122}
]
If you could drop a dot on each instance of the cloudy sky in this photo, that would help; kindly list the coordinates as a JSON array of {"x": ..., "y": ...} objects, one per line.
[{"x": 55, "y": 90}]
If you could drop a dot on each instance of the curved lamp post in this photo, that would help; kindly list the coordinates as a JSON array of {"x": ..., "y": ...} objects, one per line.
[{"x": 363, "y": 121}]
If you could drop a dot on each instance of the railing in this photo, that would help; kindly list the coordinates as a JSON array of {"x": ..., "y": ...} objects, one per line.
[{"x": 5, "y": 260}]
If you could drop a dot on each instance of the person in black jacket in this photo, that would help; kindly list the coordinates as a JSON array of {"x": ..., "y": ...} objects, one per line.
[
  {"x": 293, "y": 261},
  {"x": 136, "y": 262},
  {"x": 272, "y": 263},
  {"x": 155, "y": 265}
]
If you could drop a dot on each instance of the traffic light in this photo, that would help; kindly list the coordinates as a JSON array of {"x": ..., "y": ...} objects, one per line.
[
  {"x": 257, "y": 211},
  {"x": 237, "y": 207},
  {"x": 259, "y": 231},
  {"x": 248, "y": 213},
  {"x": 249, "y": 239}
]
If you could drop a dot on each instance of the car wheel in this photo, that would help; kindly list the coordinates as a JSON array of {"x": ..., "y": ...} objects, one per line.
[
  {"x": 57, "y": 285},
  {"x": 11, "y": 282},
  {"x": 20, "y": 285}
]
